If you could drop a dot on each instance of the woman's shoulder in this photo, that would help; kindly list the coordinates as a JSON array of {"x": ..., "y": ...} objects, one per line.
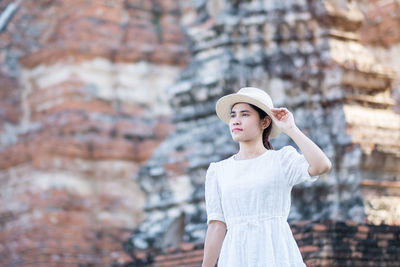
[
  {"x": 288, "y": 149},
  {"x": 216, "y": 164},
  {"x": 289, "y": 153},
  {"x": 219, "y": 163}
]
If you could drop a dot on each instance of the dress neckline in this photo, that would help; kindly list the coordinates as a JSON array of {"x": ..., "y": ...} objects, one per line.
[{"x": 247, "y": 160}]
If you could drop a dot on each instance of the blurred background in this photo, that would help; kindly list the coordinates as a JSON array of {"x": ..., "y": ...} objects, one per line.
[{"x": 107, "y": 124}]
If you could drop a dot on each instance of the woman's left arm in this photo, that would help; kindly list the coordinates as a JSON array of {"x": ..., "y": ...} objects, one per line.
[{"x": 316, "y": 158}]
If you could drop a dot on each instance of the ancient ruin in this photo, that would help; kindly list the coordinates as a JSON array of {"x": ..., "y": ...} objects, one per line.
[
  {"x": 107, "y": 121},
  {"x": 82, "y": 107}
]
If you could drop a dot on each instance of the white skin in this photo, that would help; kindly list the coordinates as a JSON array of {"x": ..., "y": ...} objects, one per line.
[{"x": 246, "y": 128}]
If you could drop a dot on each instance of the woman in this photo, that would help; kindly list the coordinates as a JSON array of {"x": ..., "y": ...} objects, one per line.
[{"x": 248, "y": 194}]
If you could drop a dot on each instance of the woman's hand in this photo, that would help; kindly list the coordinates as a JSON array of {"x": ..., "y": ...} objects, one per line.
[{"x": 283, "y": 118}]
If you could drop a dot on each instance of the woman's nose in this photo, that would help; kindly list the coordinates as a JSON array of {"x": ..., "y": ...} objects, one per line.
[{"x": 235, "y": 121}]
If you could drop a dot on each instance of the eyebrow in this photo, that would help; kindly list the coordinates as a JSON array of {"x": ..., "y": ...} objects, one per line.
[{"x": 242, "y": 111}]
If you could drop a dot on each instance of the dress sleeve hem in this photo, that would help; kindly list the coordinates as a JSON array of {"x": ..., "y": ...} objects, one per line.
[
  {"x": 215, "y": 217},
  {"x": 306, "y": 175}
]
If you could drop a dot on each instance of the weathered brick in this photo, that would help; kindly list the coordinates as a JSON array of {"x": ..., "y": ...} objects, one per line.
[{"x": 79, "y": 133}]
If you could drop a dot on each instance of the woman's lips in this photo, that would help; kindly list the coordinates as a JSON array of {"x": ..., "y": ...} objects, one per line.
[{"x": 237, "y": 130}]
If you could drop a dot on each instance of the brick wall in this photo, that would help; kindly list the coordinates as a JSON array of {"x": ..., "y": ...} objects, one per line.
[
  {"x": 381, "y": 36},
  {"x": 322, "y": 243},
  {"x": 380, "y": 27},
  {"x": 380, "y": 33},
  {"x": 334, "y": 243},
  {"x": 70, "y": 242},
  {"x": 80, "y": 111}
]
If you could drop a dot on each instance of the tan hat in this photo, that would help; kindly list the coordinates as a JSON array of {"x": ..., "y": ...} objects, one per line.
[{"x": 249, "y": 95}]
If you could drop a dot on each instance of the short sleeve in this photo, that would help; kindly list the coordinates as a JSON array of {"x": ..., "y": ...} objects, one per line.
[
  {"x": 213, "y": 195},
  {"x": 295, "y": 166}
]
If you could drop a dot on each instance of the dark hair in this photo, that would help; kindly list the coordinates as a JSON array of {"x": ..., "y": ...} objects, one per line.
[{"x": 267, "y": 131}]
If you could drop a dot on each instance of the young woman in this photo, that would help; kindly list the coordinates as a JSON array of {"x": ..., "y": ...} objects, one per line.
[{"x": 248, "y": 194}]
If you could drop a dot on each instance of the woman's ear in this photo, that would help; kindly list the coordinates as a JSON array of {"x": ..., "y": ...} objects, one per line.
[{"x": 266, "y": 122}]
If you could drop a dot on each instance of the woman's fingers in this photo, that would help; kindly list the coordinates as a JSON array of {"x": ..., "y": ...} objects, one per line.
[
  {"x": 283, "y": 118},
  {"x": 279, "y": 113},
  {"x": 279, "y": 110}
]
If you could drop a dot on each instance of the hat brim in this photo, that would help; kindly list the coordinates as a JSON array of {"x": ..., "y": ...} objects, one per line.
[{"x": 224, "y": 105}]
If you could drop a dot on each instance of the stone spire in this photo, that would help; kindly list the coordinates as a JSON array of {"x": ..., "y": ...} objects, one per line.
[{"x": 308, "y": 57}]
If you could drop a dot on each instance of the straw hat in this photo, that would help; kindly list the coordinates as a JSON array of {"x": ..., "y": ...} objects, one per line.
[{"x": 249, "y": 95}]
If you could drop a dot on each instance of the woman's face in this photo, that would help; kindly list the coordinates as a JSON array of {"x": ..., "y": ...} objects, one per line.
[{"x": 245, "y": 123}]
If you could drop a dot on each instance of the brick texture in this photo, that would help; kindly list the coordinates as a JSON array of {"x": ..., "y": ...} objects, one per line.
[
  {"x": 321, "y": 243},
  {"x": 381, "y": 19},
  {"x": 77, "y": 120}
]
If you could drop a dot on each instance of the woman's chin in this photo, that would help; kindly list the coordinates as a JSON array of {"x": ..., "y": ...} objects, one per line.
[{"x": 237, "y": 138}]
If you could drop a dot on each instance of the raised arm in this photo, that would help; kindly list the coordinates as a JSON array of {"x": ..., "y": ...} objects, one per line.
[
  {"x": 316, "y": 158},
  {"x": 212, "y": 246}
]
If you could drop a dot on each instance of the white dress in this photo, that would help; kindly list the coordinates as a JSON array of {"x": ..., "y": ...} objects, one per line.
[{"x": 253, "y": 198}]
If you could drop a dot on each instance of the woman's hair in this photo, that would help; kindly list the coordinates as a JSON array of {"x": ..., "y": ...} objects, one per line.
[{"x": 267, "y": 131}]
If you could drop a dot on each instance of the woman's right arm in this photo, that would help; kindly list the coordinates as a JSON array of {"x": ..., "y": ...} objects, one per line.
[{"x": 215, "y": 235}]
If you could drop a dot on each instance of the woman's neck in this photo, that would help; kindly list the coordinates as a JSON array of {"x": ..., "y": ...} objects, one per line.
[{"x": 250, "y": 150}]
